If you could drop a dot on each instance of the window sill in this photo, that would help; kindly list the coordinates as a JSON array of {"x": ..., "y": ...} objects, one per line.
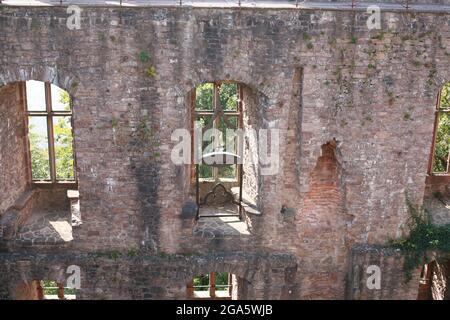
[
  {"x": 50, "y": 184},
  {"x": 206, "y": 180}
]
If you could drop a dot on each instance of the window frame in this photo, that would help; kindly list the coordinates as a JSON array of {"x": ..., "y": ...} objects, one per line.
[
  {"x": 60, "y": 290},
  {"x": 437, "y": 113},
  {"x": 49, "y": 114},
  {"x": 238, "y": 113},
  {"x": 212, "y": 288}
]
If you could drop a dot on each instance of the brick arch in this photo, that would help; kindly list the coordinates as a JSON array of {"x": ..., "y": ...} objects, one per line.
[
  {"x": 324, "y": 211},
  {"x": 325, "y": 181},
  {"x": 242, "y": 269}
]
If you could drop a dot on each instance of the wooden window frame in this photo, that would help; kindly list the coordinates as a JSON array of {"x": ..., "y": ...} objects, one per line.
[
  {"x": 60, "y": 290},
  {"x": 212, "y": 288},
  {"x": 49, "y": 114},
  {"x": 196, "y": 113},
  {"x": 438, "y": 112}
]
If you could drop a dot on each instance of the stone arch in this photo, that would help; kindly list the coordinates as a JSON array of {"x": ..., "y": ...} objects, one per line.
[
  {"x": 253, "y": 270},
  {"x": 61, "y": 78},
  {"x": 263, "y": 87},
  {"x": 22, "y": 284},
  {"x": 241, "y": 270}
]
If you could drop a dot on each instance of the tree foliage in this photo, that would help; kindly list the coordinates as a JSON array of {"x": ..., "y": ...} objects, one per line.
[
  {"x": 63, "y": 149},
  {"x": 205, "y": 102},
  {"x": 40, "y": 166},
  {"x": 442, "y": 143},
  {"x": 202, "y": 282},
  {"x": 63, "y": 144}
]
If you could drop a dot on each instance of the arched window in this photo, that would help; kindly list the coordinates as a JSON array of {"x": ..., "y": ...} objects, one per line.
[{"x": 50, "y": 134}]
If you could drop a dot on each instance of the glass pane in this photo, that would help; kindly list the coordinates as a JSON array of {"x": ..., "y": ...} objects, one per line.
[
  {"x": 204, "y": 96},
  {"x": 37, "y": 135},
  {"x": 206, "y": 123},
  {"x": 62, "y": 131},
  {"x": 229, "y": 142},
  {"x": 222, "y": 279},
  {"x": 50, "y": 287},
  {"x": 201, "y": 283},
  {"x": 445, "y": 96},
  {"x": 227, "y": 171},
  {"x": 228, "y": 96},
  {"x": 205, "y": 172},
  {"x": 35, "y": 95},
  {"x": 60, "y": 99},
  {"x": 229, "y": 122},
  {"x": 442, "y": 146}
]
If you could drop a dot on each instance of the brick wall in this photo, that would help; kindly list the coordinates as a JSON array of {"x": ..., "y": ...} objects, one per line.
[
  {"x": 393, "y": 284},
  {"x": 13, "y": 161}
]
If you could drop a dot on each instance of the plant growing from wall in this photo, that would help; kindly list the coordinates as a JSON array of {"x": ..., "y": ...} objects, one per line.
[
  {"x": 423, "y": 237},
  {"x": 144, "y": 56},
  {"x": 115, "y": 254},
  {"x": 114, "y": 123},
  {"x": 150, "y": 71},
  {"x": 143, "y": 138}
]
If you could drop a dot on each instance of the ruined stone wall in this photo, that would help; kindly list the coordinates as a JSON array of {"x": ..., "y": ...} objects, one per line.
[
  {"x": 103, "y": 276},
  {"x": 393, "y": 284},
  {"x": 373, "y": 93},
  {"x": 13, "y": 149}
]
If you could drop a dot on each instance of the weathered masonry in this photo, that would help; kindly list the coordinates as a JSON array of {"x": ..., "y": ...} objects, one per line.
[{"x": 357, "y": 115}]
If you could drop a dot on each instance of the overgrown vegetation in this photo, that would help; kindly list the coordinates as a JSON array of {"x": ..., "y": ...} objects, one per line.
[
  {"x": 144, "y": 56},
  {"x": 150, "y": 71},
  {"x": 424, "y": 236}
]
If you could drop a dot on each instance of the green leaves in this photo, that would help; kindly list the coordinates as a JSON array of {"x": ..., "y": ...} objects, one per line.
[
  {"x": 424, "y": 236},
  {"x": 144, "y": 56},
  {"x": 442, "y": 144}
]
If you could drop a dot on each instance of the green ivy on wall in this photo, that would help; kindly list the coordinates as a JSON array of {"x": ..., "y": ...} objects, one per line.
[{"x": 424, "y": 236}]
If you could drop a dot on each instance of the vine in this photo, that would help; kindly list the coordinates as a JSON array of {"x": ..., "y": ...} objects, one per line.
[{"x": 424, "y": 236}]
